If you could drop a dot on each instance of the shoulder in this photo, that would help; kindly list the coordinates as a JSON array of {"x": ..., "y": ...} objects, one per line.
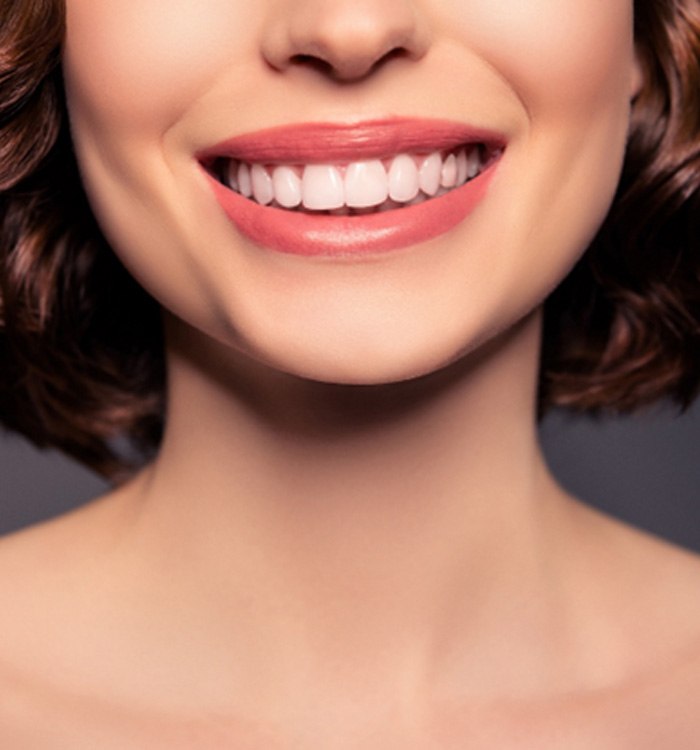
[
  {"x": 41, "y": 556},
  {"x": 48, "y": 577},
  {"x": 649, "y": 584},
  {"x": 645, "y": 590}
]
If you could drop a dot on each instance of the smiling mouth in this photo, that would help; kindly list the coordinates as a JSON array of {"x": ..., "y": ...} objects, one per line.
[{"x": 354, "y": 188}]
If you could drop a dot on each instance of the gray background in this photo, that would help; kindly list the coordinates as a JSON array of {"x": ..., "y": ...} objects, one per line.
[{"x": 645, "y": 470}]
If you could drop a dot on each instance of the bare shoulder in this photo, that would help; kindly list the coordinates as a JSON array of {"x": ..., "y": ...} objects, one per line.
[
  {"x": 649, "y": 587},
  {"x": 57, "y": 608},
  {"x": 47, "y": 574},
  {"x": 49, "y": 588},
  {"x": 644, "y": 572},
  {"x": 45, "y": 553},
  {"x": 41, "y": 565}
]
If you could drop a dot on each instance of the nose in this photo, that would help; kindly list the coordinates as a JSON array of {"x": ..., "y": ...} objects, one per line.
[{"x": 346, "y": 39}]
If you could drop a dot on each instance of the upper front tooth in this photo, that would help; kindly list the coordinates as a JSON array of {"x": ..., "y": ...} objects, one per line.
[
  {"x": 263, "y": 192},
  {"x": 287, "y": 187},
  {"x": 366, "y": 184},
  {"x": 430, "y": 171},
  {"x": 322, "y": 187},
  {"x": 403, "y": 179}
]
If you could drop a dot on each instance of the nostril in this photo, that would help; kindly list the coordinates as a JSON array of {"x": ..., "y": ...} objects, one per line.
[
  {"x": 311, "y": 61},
  {"x": 345, "y": 41},
  {"x": 393, "y": 54},
  {"x": 351, "y": 68}
]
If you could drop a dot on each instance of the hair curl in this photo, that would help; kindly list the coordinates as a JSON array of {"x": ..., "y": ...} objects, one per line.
[
  {"x": 81, "y": 346},
  {"x": 81, "y": 363},
  {"x": 623, "y": 329}
]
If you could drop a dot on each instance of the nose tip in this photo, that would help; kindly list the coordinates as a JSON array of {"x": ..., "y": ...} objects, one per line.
[{"x": 345, "y": 39}]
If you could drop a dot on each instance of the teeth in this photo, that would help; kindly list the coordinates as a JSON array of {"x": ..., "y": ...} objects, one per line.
[
  {"x": 448, "y": 176},
  {"x": 359, "y": 187},
  {"x": 473, "y": 162},
  {"x": 322, "y": 187},
  {"x": 430, "y": 174},
  {"x": 245, "y": 186},
  {"x": 287, "y": 187},
  {"x": 403, "y": 179},
  {"x": 231, "y": 175},
  {"x": 366, "y": 184},
  {"x": 461, "y": 167},
  {"x": 263, "y": 192}
]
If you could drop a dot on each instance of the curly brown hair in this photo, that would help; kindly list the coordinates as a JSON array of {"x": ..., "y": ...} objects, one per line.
[
  {"x": 81, "y": 346},
  {"x": 623, "y": 329}
]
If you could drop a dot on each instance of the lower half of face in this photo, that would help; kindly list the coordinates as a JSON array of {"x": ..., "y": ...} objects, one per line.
[{"x": 351, "y": 194}]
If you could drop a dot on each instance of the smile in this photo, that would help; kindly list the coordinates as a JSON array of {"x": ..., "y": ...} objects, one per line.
[
  {"x": 352, "y": 189},
  {"x": 322, "y": 189}
]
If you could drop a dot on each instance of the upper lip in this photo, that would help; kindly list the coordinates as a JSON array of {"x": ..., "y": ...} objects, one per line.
[{"x": 341, "y": 142}]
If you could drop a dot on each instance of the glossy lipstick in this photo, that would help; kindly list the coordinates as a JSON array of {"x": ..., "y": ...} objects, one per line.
[{"x": 313, "y": 234}]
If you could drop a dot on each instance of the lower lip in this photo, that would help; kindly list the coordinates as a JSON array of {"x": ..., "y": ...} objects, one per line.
[{"x": 300, "y": 233}]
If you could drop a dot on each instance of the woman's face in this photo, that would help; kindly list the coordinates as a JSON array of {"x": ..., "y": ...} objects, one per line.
[{"x": 154, "y": 88}]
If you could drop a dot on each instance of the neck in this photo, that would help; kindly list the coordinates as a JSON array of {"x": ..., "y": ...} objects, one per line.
[{"x": 372, "y": 529}]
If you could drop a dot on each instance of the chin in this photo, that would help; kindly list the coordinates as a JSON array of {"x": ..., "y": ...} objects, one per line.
[
  {"x": 370, "y": 361},
  {"x": 367, "y": 372}
]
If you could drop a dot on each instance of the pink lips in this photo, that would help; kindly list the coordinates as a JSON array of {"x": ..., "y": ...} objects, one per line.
[{"x": 303, "y": 233}]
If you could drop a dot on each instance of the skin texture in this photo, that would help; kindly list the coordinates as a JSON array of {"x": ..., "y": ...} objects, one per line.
[
  {"x": 349, "y": 538},
  {"x": 163, "y": 83}
]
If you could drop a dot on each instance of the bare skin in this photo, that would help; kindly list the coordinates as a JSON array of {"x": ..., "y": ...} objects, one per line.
[
  {"x": 340, "y": 603},
  {"x": 349, "y": 538}
]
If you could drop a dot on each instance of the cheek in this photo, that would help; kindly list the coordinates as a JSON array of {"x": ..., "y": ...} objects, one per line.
[
  {"x": 571, "y": 65},
  {"x": 133, "y": 69},
  {"x": 564, "y": 52},
  {"x": 140, "y": 64},
  {"x": 142, "y": 76}
]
